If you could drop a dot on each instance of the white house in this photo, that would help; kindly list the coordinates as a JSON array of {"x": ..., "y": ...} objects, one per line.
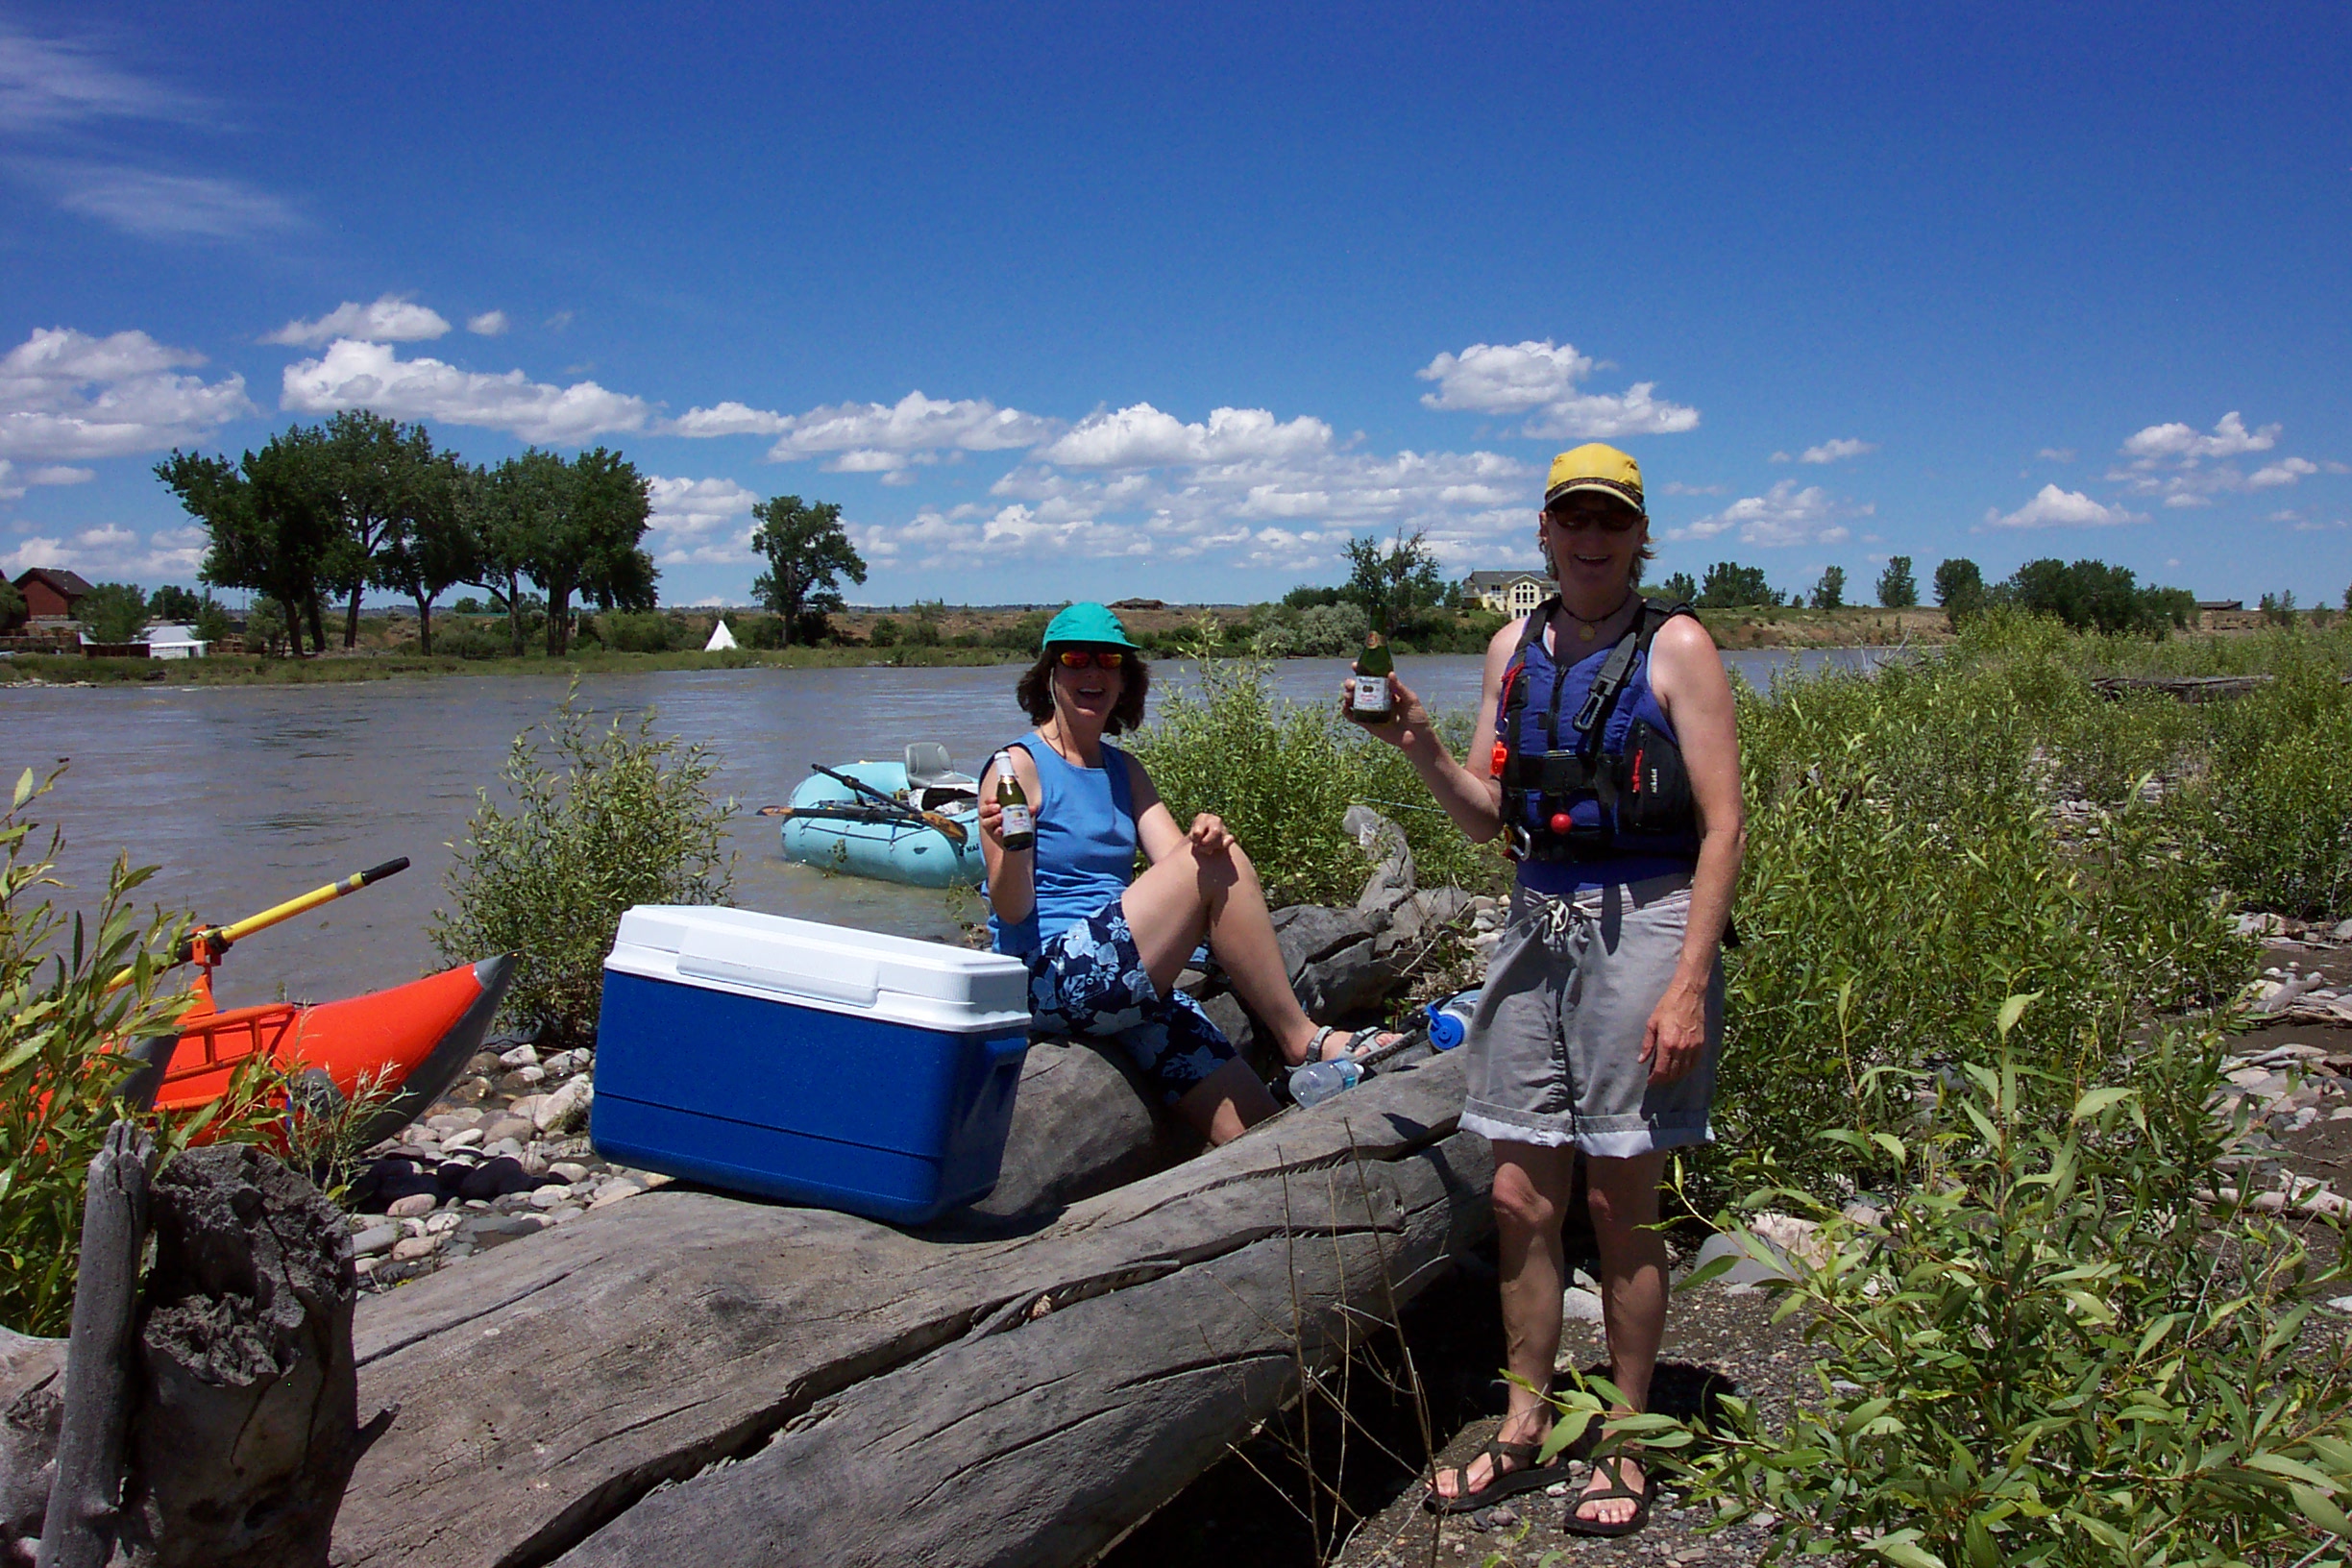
[
  {"x": 1508, "y": 593},
  {"x": 174, "y": 642}
]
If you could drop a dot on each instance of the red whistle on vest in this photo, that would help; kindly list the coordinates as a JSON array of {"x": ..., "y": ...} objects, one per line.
[
  {"x": 1500, "y": 760},
  {"x": 1561, "y": 822}
]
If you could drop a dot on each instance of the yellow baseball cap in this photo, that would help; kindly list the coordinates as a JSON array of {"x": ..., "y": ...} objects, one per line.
[{"x": 1596, "y": 466}]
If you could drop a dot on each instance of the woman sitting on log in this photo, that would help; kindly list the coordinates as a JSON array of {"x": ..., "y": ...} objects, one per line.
[
  {"x": 1104, "y": 946},
  {"x": 1606, "y": 753}
]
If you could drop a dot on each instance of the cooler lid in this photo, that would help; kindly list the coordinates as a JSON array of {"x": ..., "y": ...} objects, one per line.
[{"x": 809, "y": 961}]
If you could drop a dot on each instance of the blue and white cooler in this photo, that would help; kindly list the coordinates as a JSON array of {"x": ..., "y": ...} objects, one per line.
[{"x": 823, "y": 1065}]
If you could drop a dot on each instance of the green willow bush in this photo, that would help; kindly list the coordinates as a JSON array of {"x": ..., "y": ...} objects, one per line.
[
  {"x": 595, "y": 820},
  {"x": 59, "y": 1075},
  {"x": 2041, "y": 1351},
  {"x": 1281, "y": 775},
  {"x": 1905, "y": 870}
]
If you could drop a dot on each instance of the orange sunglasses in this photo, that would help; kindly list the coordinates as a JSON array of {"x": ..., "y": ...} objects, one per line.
[{"x": 1078, "y": 658}]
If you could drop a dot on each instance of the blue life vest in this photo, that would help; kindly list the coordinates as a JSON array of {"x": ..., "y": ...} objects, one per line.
[{"x": 1592, "y": 774}]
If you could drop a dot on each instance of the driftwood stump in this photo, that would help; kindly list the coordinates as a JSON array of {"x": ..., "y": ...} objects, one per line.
[
  {"x": 246, "y": 1434},
  {"x": 80, "y": 1529}
]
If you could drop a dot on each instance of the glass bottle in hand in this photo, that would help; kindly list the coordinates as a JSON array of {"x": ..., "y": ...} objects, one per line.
[
  {"x": 1018, "y": 828},
  {"x": 1371, "y": 700}
]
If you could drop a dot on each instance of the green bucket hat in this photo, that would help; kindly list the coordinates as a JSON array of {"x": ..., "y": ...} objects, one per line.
[{"x": 1085, "y": 623}]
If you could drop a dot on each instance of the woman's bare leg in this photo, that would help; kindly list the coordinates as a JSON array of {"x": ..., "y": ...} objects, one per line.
[
  {"x": 1191, "y": 894},
  {"x": 1226, "y": 1103},
  {"x": 1622, "y": 1197}
]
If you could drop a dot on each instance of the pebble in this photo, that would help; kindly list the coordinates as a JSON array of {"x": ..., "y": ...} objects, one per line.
[
  {"x": 409, "y": 1248},
  {"x": 469, "y": 1139},
  {"x": 414, "y": 1204},
  {"x": 522, "y": 1055},
  {"x": 550, "y": 1197},
  {"x": 569, "y": 1171},
  {"x": 507, "y": 1126},
  {"x": 375, "y": 1238}
]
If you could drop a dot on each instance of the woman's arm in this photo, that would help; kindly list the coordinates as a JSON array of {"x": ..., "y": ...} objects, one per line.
[
  {"x": 1011, "y": 873},
  {"x": 1687, "y": 674},
  {"x": 1473, "y": 799}
]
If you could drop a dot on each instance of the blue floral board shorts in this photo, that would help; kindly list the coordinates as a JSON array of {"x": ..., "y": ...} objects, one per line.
[{"x": 1090, "y": 980}]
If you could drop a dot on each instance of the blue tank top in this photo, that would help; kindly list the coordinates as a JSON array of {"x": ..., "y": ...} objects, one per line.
[
  {"x": 1085, "y": 846},
  {"x": 1638, "y": 859}
]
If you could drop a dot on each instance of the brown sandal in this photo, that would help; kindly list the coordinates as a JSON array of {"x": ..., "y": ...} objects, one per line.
[
  {"x": 1500, "y": 1483},
  {"x": 1576, "y": 1524}
]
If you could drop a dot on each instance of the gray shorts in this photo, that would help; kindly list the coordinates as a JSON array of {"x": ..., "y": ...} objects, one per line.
[{"x": 1555, "y": 1048}]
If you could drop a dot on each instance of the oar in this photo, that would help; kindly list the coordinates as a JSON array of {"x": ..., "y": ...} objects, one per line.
[
  {"x": 842, "y": 814},
  {"x": 948, "y": 826},
  {"x": 216, "y": 940}
]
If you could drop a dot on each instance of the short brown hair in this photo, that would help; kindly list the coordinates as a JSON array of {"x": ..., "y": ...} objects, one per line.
[{"x": 1035, "y": 693}]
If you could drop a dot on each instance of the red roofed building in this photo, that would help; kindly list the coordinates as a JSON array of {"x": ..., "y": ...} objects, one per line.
[{"x": 51, "y": 593}]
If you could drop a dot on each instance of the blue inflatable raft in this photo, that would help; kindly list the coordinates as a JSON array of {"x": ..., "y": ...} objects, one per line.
[{"x": 890, "y": 829}]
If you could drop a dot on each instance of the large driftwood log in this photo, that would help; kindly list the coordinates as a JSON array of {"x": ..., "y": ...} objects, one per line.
[
  {"x": 1010, "y": 1398},
  {"x": 245, "y": 1436},
  {"x": 80, "y": 1528}
]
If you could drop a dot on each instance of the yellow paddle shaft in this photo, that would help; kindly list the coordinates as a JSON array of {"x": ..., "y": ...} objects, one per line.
[{"x": 217, "y": 939}]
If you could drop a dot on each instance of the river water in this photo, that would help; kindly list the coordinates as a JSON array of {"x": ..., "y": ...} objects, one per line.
[{"x": 243, "y": 796}]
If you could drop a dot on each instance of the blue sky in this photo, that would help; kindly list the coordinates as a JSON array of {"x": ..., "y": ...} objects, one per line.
[{"x": 1106, "y": 300}]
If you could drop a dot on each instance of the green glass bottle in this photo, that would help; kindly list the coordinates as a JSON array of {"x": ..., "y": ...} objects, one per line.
[
  {"x": 1373, "y": 699},
  {"x": 1019, "y": 827}
]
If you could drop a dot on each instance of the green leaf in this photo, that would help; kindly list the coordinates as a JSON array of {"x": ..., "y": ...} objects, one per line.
[
  {"x": 2278, "y": 1465},
  {"x": 2320, "y": 1512},
  {"x": 2100, "y": 1099},
  {"x": 2014, "y": 1009},
  {"x": 24, "y": 790},
  {"x": 1907, "y": 1552}
]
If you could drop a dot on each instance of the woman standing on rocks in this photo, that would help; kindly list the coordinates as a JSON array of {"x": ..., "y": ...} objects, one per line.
[
  {"x": 1104, "y": 946},
  {"x": 1605, "y": 752}
]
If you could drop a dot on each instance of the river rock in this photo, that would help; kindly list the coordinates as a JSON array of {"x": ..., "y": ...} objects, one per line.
[
  {"x": 1082, "y": 1124},
  {"x": 375, "y": 1238},
  {"x": 508, "y": 1127},
  {"x": 521, "y": 1056},
  {"x": 565, "y": 1108},
  {"x": 414, "y": 1205},
  {"x": 32, "y": 1408}
]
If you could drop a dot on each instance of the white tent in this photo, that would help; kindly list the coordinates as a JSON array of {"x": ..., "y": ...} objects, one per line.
[{"x": 721, "y": 639}]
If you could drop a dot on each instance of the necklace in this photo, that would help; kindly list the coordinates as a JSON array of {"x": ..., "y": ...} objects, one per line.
[{"x": 1587, "y": 631}]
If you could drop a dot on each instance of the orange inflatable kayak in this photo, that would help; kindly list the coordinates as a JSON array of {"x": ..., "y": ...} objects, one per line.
[{"x": 419, "y": 1036}]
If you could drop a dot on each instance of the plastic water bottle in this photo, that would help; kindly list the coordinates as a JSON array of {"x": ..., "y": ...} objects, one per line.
[
  {"x": 1449, "y": 1017},
  {"x": 1311, "y": 1083}
]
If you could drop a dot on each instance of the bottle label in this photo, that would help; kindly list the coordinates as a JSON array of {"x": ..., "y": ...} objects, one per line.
[
  {"x": 1016, "y": 820},
  {"x": 1371, "y": 694}
]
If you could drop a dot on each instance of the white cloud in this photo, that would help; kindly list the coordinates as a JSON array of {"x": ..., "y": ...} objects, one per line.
[
  {"x": 358, "y": 374},
  {"x": 67, "y": 394},
  {"x": 111, "y": 550},
  {"x": 2286, "y": 471},
  {"x": 2057, "y": 455},
  {"x": 1834, "y": 452},
  {"x": 1141, "y": 436},
  {"x": 700, "y": 522},
  {"x": 391, "y": 319},
  {"x": 2179, "y": 443},
  {"x": 154, "y": 205},
  {"x": 2054, "y": 508},
  {"x": 1676, "y": 487},
  {"x": 1783, "y": 515},
  {"x": 727, "y": 418},
  {"x": 1540, "y": 380},
  {"x": 914, "y": 423},
  {"x": 865, "y": 460},
  {"x": 13, "y": 483},
  {"x": 51, "y": 84},
  {"x": 489, "y": 323}
]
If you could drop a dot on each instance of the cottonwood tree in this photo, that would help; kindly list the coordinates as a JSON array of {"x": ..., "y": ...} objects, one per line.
[
  {"x": 807, "y": 555},
  {"x": 1959, "y": 588},
  {"x": 1829, "y": 593},
  {"x": 369, "y": 468},
  {"x": 1393, "y": 583},
  {"x": 268, "y": 528},
  {"x": 1898, "y": 588},
  {"x": 428, "y": 545},
  {"x": 1729, "y": 585}
]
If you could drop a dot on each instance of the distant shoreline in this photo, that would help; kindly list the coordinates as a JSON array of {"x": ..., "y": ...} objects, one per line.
[{"x": 1735, "y": 630}]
